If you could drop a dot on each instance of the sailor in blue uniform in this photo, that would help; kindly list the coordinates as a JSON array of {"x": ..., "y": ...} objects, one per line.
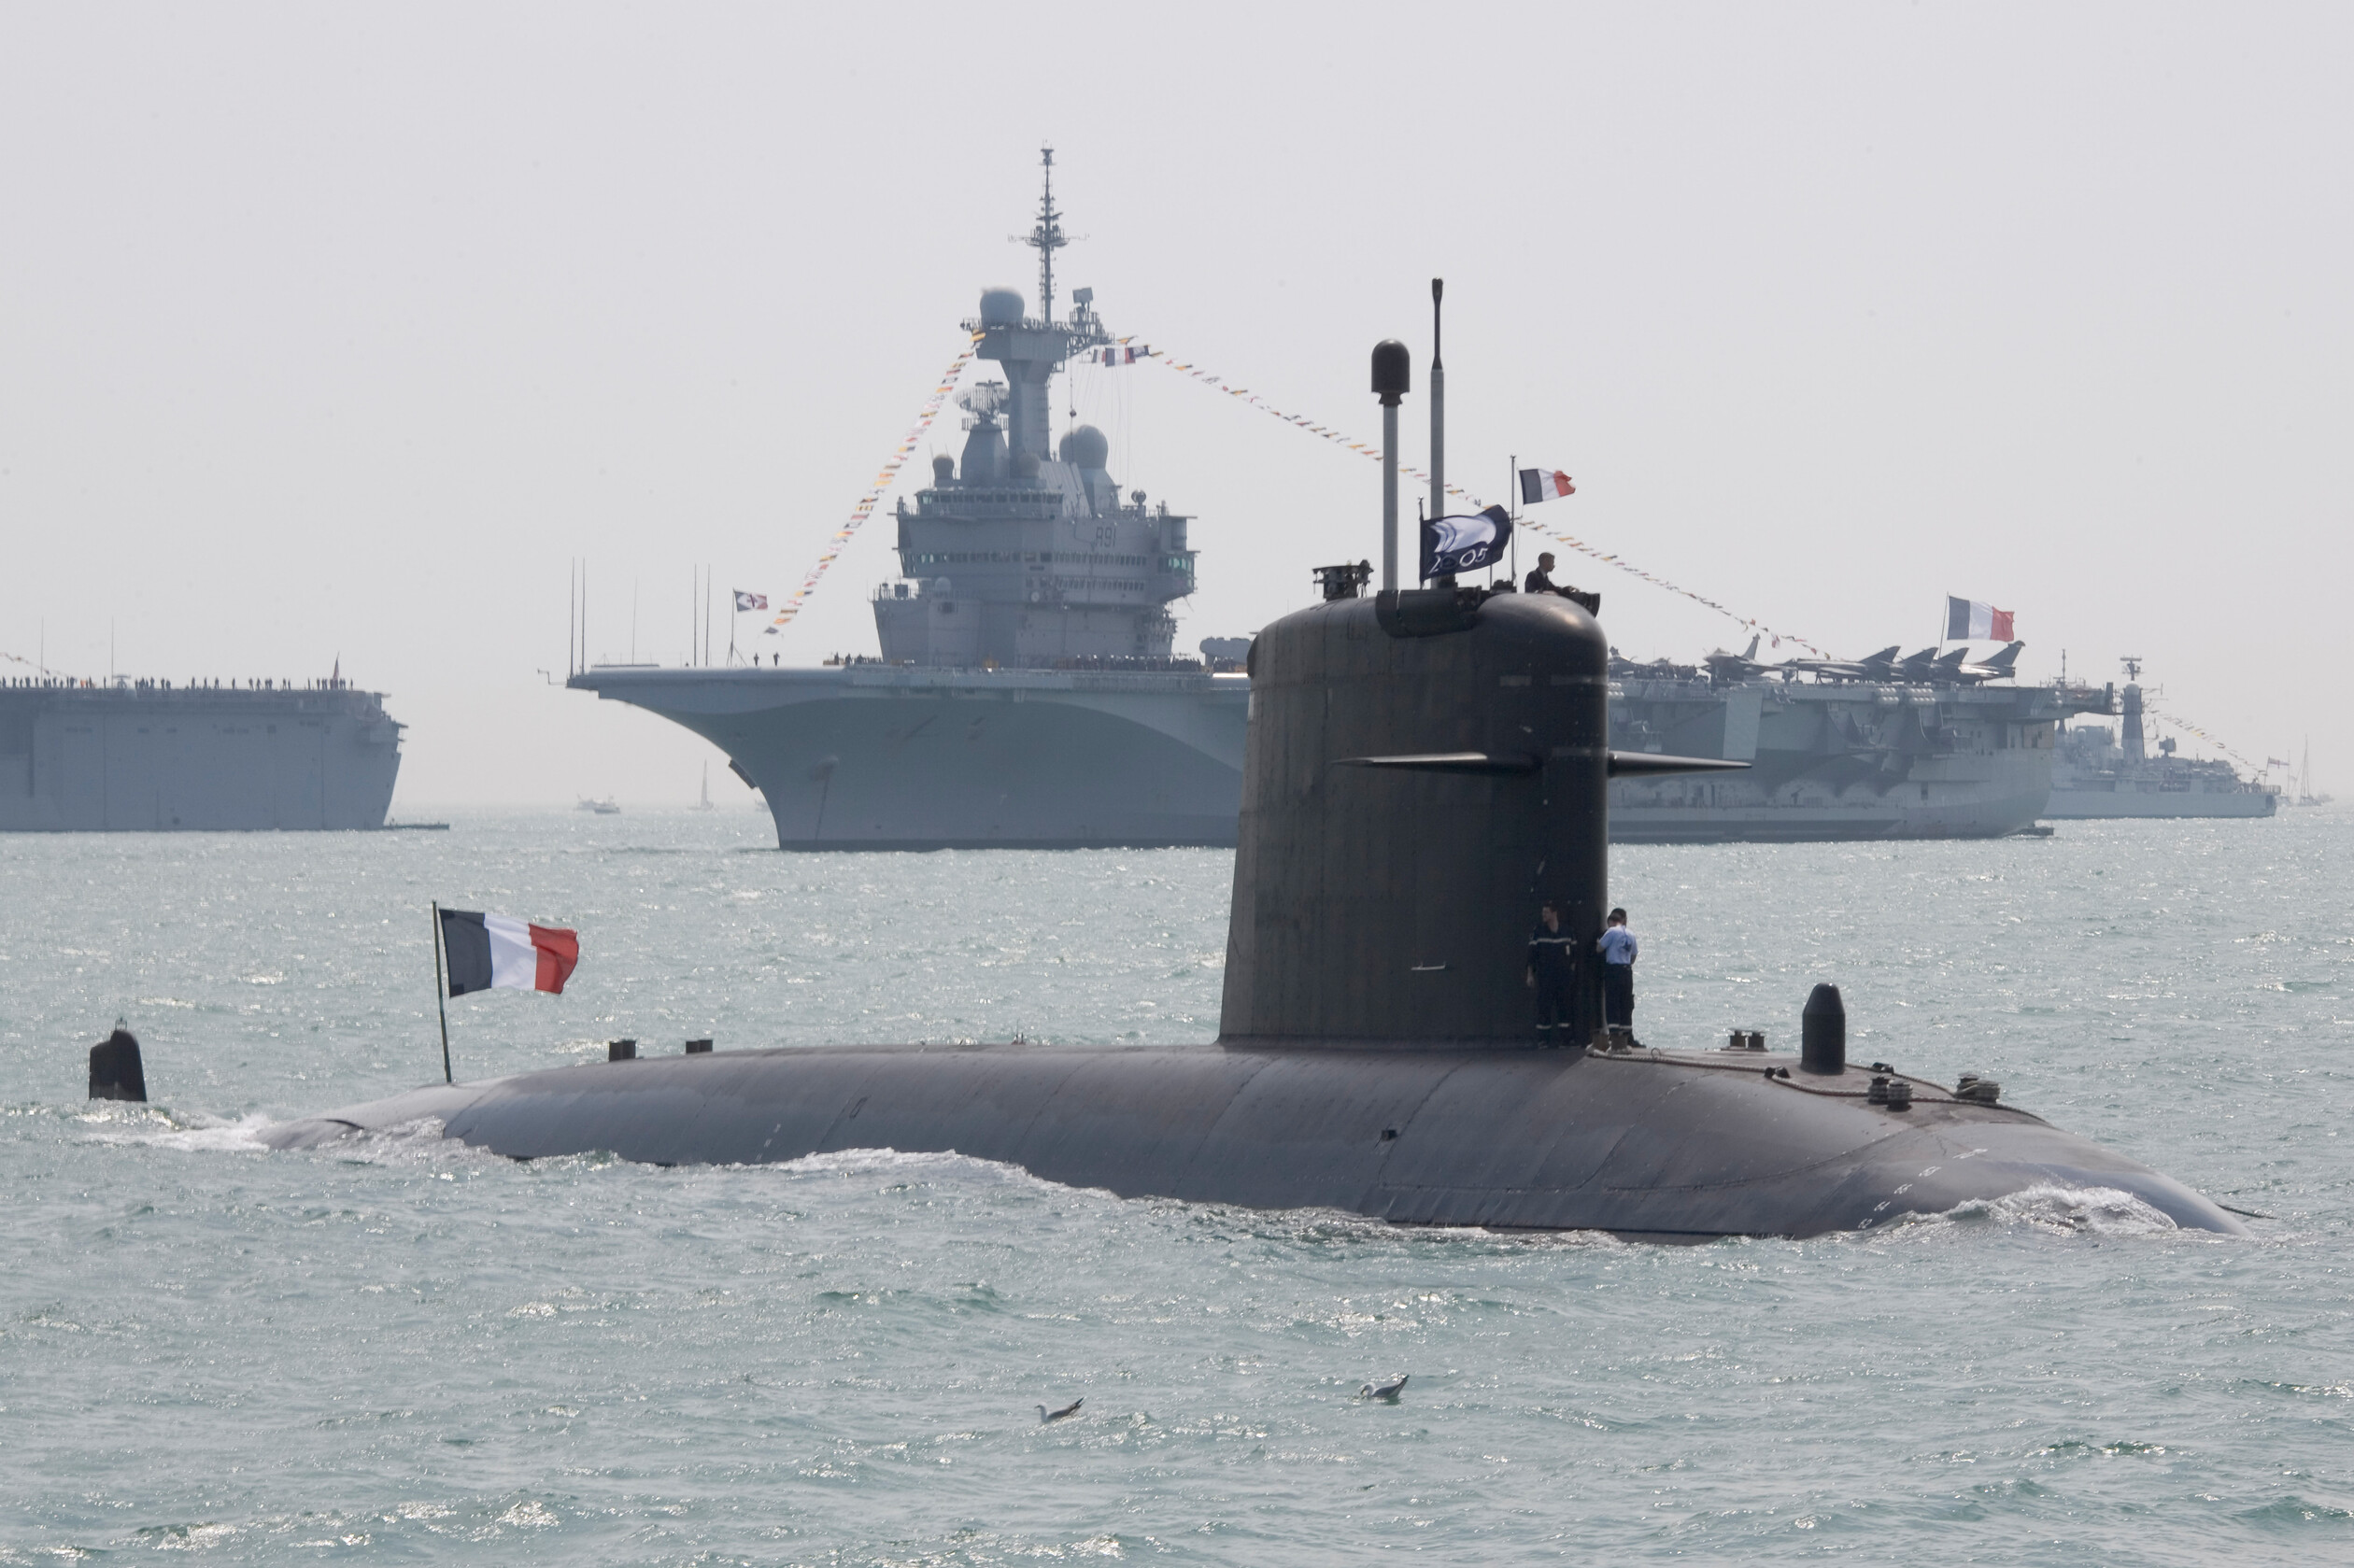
[
  {"x": 1552, "y": 976},
  {"x": 1618, "y": 949}
]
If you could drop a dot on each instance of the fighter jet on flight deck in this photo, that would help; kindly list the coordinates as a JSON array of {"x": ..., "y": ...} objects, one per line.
[{"x": 1994, "y": 667}]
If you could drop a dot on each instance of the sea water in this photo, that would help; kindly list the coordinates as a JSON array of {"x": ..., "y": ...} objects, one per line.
[{"x": 401, "y": 1350}]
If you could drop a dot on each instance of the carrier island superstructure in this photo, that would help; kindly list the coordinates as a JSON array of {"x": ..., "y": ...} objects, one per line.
[
  {"x": 152, "y": 755},
  {"x": 1028, "y": 694}
]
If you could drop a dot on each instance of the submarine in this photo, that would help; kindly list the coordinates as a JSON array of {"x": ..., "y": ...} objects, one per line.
[{"x": 1425, "y": 768}]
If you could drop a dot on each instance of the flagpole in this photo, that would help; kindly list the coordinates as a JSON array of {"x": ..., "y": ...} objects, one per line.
[
  {"x": 1512, "y": 494},
  {"x": 440, "y": 990}
]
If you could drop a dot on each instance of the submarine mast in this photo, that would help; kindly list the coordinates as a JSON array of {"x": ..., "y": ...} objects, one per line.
[
  {"x": 1437, "y": 407},
  {"x": 1392, "y": 369}
]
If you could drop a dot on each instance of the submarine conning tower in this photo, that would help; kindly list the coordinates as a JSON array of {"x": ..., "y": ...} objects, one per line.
[{"x": 1425, "y": 770}]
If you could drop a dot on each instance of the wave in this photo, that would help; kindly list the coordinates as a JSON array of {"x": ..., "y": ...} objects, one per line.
[
  {"x": 149, "y": 1126},
  {"x": 2048, "y": 1209},
  {"x": 156, "y": 1128},
  {"x": 907, "y": 1166}
]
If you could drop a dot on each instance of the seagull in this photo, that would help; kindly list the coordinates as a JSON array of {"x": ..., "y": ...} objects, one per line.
[
  {"x": 1045, "y": 1415},
  {"x": 1388, "y": 1392}
]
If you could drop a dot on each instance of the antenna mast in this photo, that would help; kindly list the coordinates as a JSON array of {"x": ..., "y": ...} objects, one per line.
[
  {"x": 1047, "y": 238},
  {"x": 1438, "y": 408}
]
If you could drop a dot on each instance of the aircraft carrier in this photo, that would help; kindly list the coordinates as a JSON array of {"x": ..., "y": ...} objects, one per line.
[
  {"x": 147, "y": 755},
  {"x": 2096, "y": 774},
  {"x": 1931, "y": 746},
  {"x": 1028, "y": 694}
]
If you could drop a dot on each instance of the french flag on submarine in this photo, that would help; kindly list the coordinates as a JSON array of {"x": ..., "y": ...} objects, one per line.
[
  {"x": 1545, "y": 484},
  {"x": 493, "y": 952}
]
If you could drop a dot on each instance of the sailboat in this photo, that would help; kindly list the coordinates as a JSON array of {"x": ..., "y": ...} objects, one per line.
[
  {"x": 2305, "y": 796},
  {"x": 704, "y": 804}
]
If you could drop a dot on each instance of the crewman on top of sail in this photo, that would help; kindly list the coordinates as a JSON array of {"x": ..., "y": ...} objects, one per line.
[
  {"x": 1540, "y": 581},
  {"x": 1552, "y": 976}
]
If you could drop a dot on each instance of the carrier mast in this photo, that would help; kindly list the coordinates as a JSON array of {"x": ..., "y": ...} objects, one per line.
[
  {"x": 1032, "y": 351},
  {"x": 1046, "y": 237}
]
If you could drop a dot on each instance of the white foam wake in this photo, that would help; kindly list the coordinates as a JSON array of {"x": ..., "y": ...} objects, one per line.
[
  {"x": 152, "y": 1127},
  {"x": 2050, "y": 1209},
  {"x": 868, "y": 1162}
]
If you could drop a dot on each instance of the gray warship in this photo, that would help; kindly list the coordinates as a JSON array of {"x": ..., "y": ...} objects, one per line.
[
  {"x": 147, "y": 755},
  {"x": 1925, "y": 747},
  {"x": 2095, "y": 773},
  {"x": 1426, "y": 768},
  {"x": 1029, "y": 692}
]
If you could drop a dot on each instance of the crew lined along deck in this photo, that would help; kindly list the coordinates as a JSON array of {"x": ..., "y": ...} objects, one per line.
[{"x": 149, "y": 684}]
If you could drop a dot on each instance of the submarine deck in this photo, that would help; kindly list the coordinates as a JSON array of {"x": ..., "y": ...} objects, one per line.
[{"x": 1650, "y": 1143}]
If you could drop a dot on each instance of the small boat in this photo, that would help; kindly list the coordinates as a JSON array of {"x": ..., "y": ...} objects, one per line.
[{"x": 606, "y": 807}]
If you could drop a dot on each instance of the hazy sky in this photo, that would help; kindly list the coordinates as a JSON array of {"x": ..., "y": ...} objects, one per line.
[{"x": 339, "y": 332}]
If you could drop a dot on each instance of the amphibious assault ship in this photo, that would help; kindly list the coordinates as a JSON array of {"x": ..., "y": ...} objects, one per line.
[
  {"x": 1028, "y": 693},
  {"x": 147, "y": 755},
  {"x": 2095, "y": 775}
]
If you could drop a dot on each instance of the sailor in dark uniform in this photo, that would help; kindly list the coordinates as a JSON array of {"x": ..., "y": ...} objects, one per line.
[
  {"x": 1552, "y": 976},
  {"x": 1540, "y": 581}
]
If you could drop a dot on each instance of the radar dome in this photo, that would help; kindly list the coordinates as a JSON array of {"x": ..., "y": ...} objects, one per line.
[
  {"x": 1085, "y": 447},
  {"x": 1001, "y": 307}
]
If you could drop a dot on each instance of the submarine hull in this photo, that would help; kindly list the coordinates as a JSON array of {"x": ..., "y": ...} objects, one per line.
[{"x": 1652, "y": 1144}]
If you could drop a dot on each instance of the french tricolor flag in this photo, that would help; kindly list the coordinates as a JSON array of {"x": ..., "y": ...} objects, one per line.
[
  {"x": 1545, "y": 484},
  {"x": 1971, "y": 620},
  {"x": 491, "y": 952}
]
